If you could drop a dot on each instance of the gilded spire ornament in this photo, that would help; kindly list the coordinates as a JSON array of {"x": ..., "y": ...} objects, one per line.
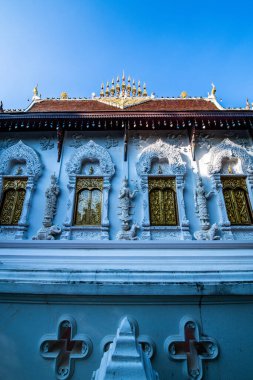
[
  {"x": 107, "y": 91},
  {"x": 123, "y": 94},
  {"x": 183, "y": 94},
  {"x": 144, "y": 90},
  {"x": 112, "y": 88},
  {"x": 129, "y": 86},
  {"x": 123, "y": 84},
  {"x": 64, "y": 95},
  {"x": 36, "y": 95},
  {"x": 213, "y": 91},
  {"x": 35, "y": 90},
  {"x": 102, "y": 93},
  {"x": 139, "y": 92},
  {"x": 134, "y": 88},
  {"x": 118, "y": 86}
]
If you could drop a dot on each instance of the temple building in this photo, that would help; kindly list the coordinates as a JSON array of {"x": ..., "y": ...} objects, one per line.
[{"x": 126, "y": 236}]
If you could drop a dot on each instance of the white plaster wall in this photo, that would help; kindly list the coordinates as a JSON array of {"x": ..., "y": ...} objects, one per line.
[
  {"x": 228, "y": 320},
  {"x": 138, "y": 140}
]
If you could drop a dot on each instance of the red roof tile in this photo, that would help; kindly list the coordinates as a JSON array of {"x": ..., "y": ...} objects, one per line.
[{"x": 53, "y": 105}]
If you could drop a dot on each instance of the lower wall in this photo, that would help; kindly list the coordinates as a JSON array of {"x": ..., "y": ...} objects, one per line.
[
  {"x": 167, "y": 290},
  {"x": 25, "y": 320}
]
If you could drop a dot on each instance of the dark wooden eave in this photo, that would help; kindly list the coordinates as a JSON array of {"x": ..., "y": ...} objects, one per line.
[{"x": 217, "y": 120}]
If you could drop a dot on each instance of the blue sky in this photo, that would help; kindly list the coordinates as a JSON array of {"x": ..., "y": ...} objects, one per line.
[{"x": 75, "y": 45}]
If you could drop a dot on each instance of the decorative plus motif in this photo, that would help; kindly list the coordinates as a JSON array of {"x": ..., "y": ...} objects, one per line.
[
  {"x": 191, "y": 347},
  {"x": 65, "y": 347}
]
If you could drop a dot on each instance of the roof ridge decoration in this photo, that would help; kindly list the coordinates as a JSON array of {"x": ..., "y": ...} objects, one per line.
[{"x": 123, "y": 95}]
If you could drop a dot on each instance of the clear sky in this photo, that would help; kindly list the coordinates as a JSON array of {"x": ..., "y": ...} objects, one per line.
[{"x": 74, "y": 45}]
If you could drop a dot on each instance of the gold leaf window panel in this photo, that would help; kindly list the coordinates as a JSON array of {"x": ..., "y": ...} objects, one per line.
[
  {"x": 163, "y": 201},
  {"x": 237, "y": 201},
  {"x": 88, "y": 202},
  {"x": 14, "y": 190}
]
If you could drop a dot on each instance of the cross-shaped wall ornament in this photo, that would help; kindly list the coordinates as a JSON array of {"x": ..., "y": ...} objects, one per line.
[
  {"x": 191, "y": 347},
  {"x": 65, "y": 347}
]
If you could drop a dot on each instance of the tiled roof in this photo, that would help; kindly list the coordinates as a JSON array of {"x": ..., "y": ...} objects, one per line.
[{"x": 92, "y": 105}]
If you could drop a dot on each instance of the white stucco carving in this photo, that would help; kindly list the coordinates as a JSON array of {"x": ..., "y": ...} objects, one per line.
[
  {"x": 183, "y": 347},
  {"x": 70, "y": 345},
  {"x": 125, "y": 205},
  {"x": 125, "y": 359},
  {"x": 218, "y": 155},
  {"x": 90, "y": 152},
  {"x": 201, "y": 197},
  {"x": 160, "y": 151},
  {"x": 49, "y": 231},
  {"x": 169, "y": 156},
  {"x": 227, "y": 150},
  {"x": 20, "y": 153}
]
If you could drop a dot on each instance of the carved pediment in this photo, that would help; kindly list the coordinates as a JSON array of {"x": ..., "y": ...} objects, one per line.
[{"x": 124, "y": 102}]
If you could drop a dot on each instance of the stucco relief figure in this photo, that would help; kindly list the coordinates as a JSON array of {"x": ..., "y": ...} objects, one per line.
[
  {"x": 201, "y": 197},
  {"x": 125, "y": 197},
  {"x": 51, "y": 198},
  {"x": 49, "y": 231}
]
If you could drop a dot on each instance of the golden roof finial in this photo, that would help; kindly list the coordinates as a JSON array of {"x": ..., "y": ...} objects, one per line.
[
  {"x": 36, "y": 95},
  {"x": 64, "y": 95},
  {"x": 139, "y": 92},
  {"x": 107, "y": 91},
  {"x": 118, "y": 86},
  {"x": 102, "y": 94},
  {"x": 123, "y": 84},
  {"x": 112, "y": 88},
  {"x": 134, "y": 88},
  {"x": 35, "y": 90},
  {"x": 183, "y": 94},
  {"x": 128, "y": 86},
  {"x": 144, "y": 90},
  {"x": 213, "y": 92}
]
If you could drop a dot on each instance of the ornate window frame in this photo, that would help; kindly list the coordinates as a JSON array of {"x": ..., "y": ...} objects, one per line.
[
  {"x": 229, "y": 150},
  {"x": 19, "y": 153},
  {"x": 90, "y": 152},
  {"x": 176, "y": 168}
]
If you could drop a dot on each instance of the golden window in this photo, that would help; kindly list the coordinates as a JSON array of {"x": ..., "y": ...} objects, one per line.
[
  {"x": 237, "y": 200},
  {"x": 14, "y": 190},
  {"x": 88, "y": 202},
  {"x": 162, "y": 201}
]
